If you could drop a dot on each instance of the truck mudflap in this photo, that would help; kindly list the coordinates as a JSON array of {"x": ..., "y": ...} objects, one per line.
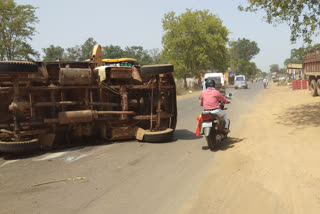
[{"x": 158, "y": 136}]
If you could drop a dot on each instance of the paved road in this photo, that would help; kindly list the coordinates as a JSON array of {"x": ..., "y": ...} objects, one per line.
[{"x": 124, "y": 177}]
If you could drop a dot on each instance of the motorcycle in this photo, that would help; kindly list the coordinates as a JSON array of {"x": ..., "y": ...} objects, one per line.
[
  {"x": 265, "y": 84},
  {"x": 213, "y": 127}
]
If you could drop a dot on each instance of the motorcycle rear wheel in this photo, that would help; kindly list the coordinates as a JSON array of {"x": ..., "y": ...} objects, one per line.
[{"x": 212, "y": 139}]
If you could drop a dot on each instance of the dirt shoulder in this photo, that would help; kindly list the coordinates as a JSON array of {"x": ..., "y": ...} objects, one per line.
[{"x": 270, "y": 164}]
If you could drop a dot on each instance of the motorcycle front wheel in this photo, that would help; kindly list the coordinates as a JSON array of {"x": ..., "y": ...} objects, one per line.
[{"x": 212, "y": 139}]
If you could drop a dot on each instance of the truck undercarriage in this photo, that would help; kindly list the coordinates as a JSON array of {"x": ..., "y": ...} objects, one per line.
[{"x": 49, "y": 103}]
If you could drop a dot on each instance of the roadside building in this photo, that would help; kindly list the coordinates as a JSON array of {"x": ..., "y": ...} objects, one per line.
[{"x": 295, "y": 71}]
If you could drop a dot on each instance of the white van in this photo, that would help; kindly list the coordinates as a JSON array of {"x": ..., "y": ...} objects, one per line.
[{"x": 218, "y": 79}]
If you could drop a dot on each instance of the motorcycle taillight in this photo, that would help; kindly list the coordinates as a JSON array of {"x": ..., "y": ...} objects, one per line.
[{"x": 206, "y": 117}]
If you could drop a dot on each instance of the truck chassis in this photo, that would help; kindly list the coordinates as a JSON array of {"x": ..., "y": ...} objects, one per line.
[{"x": 50, "y": 103}]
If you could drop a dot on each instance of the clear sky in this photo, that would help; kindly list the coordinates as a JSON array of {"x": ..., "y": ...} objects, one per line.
[{"x": 67, "y": 23}]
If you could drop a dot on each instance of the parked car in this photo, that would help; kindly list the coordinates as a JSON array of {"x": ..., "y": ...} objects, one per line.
[
  {"x": 240, "y": 82},
  {"x": 219, "y": 80}
]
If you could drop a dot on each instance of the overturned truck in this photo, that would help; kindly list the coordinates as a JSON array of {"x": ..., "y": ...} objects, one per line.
[{"x": 43, "y": 104}]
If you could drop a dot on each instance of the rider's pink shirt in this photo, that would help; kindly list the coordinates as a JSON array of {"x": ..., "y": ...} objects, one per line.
[{"x": 210, "y": 99}]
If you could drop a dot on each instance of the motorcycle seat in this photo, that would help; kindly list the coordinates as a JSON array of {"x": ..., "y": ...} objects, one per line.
[{"x": 213, "y": 114}]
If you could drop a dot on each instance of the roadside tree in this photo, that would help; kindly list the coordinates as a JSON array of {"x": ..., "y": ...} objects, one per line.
[
  {"x": 16, "y": 31},
  {"x": 297, "y": 55},
  {"x": 247, "y": 68},
  {"x": 86, "y": 48},
  {"x": 112, "y": 52},
  {"x": 138, "y": 53},
  {"x": 274, "y": 68},
  {"x": 240, "y": 54},
  {"x": 53, "y": 53},
  {"x": 244, "y": 49},
  {"x": 157, "y": 57},
  {"x": 194, "y": 41},
  {"x": 73, "y": 53},
  {"x": 303, "y": 17}
]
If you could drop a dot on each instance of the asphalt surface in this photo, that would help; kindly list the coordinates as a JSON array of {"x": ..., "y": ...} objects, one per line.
[{"x": 123, "y": 177}]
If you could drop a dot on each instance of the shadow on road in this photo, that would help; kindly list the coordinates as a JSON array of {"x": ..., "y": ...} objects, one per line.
[
  {"x": 184, "y": 134},
  {"x": 225, "y": 144},
  {"x": 302, "y": 115}
]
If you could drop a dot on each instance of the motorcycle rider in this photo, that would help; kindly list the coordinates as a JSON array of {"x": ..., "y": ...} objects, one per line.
[
  {"x": 265, "y": 82},
  {"x": 209, "y": 99}
]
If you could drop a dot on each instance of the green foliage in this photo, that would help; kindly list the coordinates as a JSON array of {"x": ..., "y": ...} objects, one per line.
[
  {"x": 247, "y": 68},
  {"x": 194, "y": 42},
  {"x": 240, "y": 54},
  {"x": 303, "y": 16},
  {"x": 112, "y": 52},
  {"x": 283, "y": 71},
  {"x": 16, "y": 30},
  {"x": 83, "y": 52},
  {"x": 274, "y": 68},
  {"x": 297, "y": 55},
  {"x": 138, "y": 53},
  {"x": 157, "y": 57},
  {"x": 73, "y": 53},
  {"x": 53, "y": 53},
  {"x": 244, "y": 49},
  {"x": 80, "y": 53},
  {"x": 86, "y": 48}
]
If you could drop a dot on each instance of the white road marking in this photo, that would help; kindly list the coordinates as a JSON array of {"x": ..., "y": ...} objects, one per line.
[
  {"x": 50, "y": 156},
  {"x": 8, "y": 162},
  {"x": 68, "y": 159},
  {"x": 72, "y": 158}
]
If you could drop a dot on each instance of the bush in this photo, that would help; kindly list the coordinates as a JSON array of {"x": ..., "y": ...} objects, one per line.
[{"x": 282, "y": 83}]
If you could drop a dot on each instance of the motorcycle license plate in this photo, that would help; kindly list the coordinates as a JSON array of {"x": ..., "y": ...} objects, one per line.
[{"x": 207, "y": 125}]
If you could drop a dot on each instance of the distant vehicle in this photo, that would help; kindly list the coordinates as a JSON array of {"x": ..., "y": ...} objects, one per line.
[
  {"x": 219, "y": 81},
  {"x": 240, "y": 82}
]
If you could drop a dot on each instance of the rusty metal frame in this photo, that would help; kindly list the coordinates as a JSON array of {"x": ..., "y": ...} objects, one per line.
[{"x": 113, "y": 106}]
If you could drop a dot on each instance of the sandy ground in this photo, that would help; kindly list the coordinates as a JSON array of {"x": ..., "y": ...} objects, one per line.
[{"x": 273, "y": 165}]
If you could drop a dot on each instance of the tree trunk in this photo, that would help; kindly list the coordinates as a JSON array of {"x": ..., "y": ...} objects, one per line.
[
  {"x": 185, "y": 85},
  {"x": 199, "y": 81}
]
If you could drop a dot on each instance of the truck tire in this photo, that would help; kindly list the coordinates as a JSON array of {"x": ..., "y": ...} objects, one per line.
[
  {"x": 20, "y": 147},
  {"x": 313, "y": 87},
  {"x": 18, "y": 67},
  {"x": 318, "y": 86},
  {"x": 158, "y": 137},
  {"x": 156, "y": 69}
]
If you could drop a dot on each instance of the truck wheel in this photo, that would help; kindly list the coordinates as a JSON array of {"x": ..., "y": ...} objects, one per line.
[
  {"x": 318, "y": 86},
  {"x": 313, "y": 87},
  {"x": 157, "y": 137},
  {"x": 19, "y": 147},
  {"x": 18, "y": 67},
  {"x": 156, "y": 69}
]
